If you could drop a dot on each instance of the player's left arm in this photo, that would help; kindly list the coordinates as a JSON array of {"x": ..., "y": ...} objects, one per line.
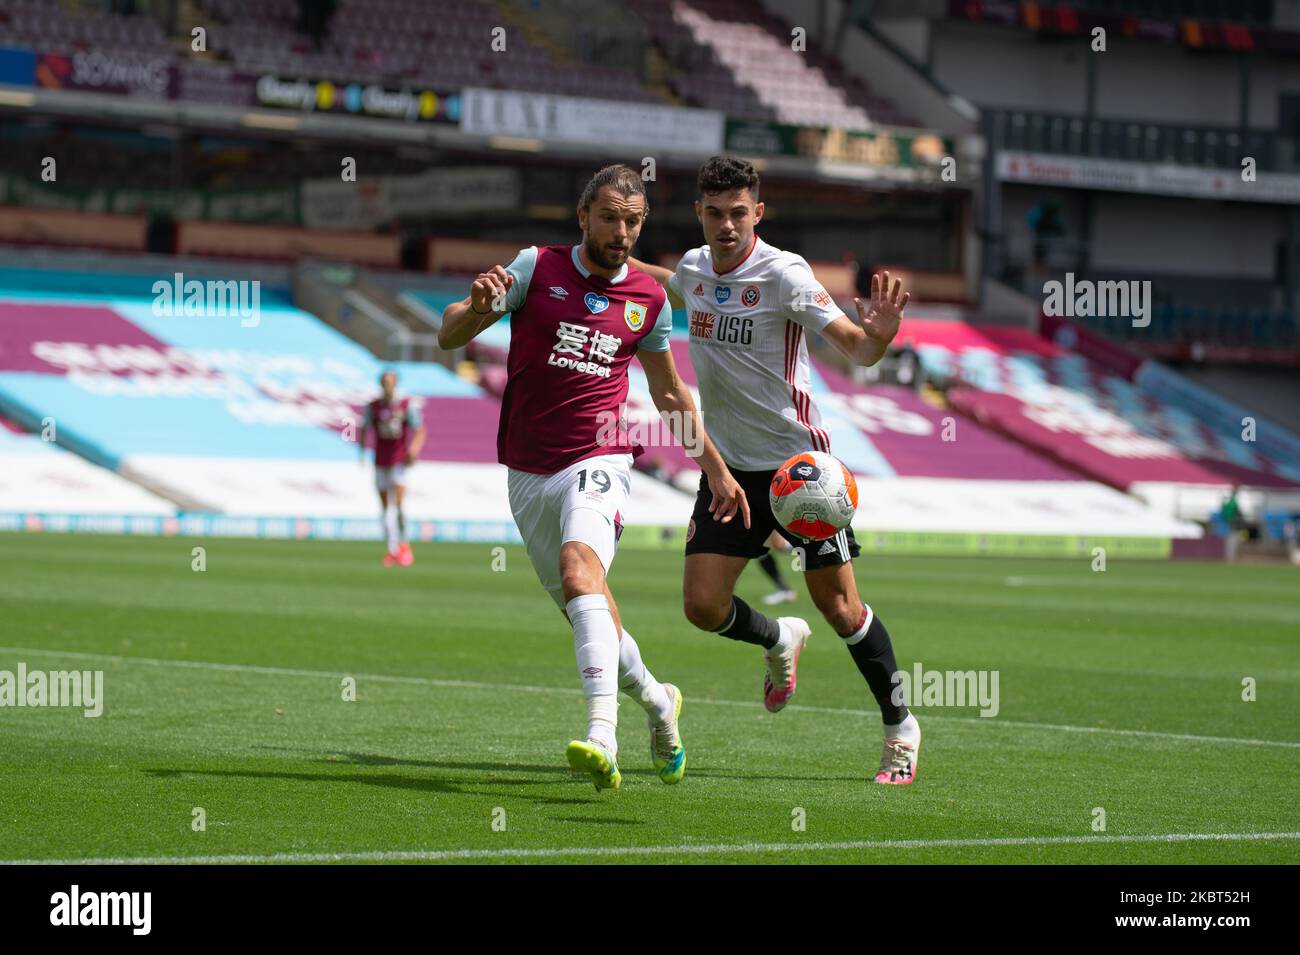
[
  {"x": 864, "y": 341},
  {"x": 677, "y": 407}
]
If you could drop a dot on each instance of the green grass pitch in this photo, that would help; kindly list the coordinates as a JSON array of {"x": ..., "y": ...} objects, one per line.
[{"x": 1119, "y": 690}]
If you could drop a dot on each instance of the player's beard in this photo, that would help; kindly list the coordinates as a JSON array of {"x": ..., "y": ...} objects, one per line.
[{"x": 604, "y": 256}]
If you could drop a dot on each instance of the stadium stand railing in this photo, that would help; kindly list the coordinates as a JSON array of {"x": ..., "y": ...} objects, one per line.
[{"x": 1139, "y": 140}]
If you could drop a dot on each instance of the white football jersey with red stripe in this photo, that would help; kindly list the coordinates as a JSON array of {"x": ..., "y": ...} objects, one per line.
[{"x": 747, "y": 345}]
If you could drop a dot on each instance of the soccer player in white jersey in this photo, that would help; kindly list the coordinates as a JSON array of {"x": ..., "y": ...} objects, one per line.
[
  {"x": 579, "y": 316},
  {"x": 750, "y": 306}
]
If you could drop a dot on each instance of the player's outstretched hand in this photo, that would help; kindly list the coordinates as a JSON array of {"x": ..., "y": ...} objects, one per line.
[
  {"x": 488, "y": 293},
  {"x": 728, "y": 499},
  {"x": 881, "y": 321}
]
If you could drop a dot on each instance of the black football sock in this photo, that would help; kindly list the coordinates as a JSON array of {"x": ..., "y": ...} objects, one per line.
[
  {"x": 746, "y": 624},
  {"x": 872, "y": 651},
  {"x": 773, "y": 570}
]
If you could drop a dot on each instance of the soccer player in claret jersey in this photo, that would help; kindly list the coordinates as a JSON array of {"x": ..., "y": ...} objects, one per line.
[
  {"x": 750, "y": 305},
  {"x": 399, "y": 436},
  {"x": 578, "y": 316}
]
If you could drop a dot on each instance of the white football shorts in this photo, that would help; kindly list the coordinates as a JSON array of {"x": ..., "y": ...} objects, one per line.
[
  {"x": 388, "y": 478},
  {"x": 584, "y": 502}
]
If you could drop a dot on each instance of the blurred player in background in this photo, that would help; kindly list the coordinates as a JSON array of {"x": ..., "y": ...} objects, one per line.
[
  {"x": 750, "y": 305},
  {"x": 579, "y": 315},
  {"x": 399, "y": 436}
]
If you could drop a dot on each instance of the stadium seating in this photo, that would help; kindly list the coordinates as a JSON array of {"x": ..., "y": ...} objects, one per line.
[
  {"x": 47, "y": 484},
  {"x": 1093, "y": 420},
  {"x": 40, "y": 24},
  {"x": 235, "y": 427},
  {"x": 727, "y": 55},
  {"x": 734, "y": 57},
  {"x": 442, "y": 44}
]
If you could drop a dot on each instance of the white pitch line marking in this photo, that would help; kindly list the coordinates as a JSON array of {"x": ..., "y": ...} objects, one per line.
[
  {"x": 439, "y": 855},
  {"x": 524, "y": 688}
]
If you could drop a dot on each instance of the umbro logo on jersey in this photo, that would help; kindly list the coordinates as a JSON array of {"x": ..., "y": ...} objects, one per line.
[
  {"x": 559, "y": 292},
  {"x": 595, "y": 303},
  {"x": 722, "y": 293},
  {"x": 699, "y": 289}
]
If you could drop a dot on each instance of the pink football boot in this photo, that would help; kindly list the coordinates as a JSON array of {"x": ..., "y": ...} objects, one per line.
[{"x": 783, "y": 668}]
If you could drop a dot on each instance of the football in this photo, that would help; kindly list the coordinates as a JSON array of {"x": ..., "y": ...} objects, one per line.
[{"x": 813, "y": 495}]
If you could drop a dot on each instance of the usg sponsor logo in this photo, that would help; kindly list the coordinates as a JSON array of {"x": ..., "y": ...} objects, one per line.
[
  {"x": 75, "y": 907},
  {"x": 1085, "y": 298}
]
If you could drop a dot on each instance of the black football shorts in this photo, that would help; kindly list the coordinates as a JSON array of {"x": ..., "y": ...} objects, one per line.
[{"x": 708, "y": 536}]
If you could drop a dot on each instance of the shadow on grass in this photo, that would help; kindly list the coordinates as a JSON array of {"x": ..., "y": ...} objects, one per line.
[
  {"x": 467, "y": 786},
  {"x": 370, "y": 759},
  {"x": 551, "y": 769},
  {"x": 596, "y": 821}
]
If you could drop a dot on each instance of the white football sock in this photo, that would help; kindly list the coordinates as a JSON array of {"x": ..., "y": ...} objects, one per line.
[
  {"x": 595, "y": 644},
  {"x": 390, "y": 529},
  {"x": 401, "y": 526},
  {"x": 636, "y": 680},
  {"x": 909, "y": 729}
]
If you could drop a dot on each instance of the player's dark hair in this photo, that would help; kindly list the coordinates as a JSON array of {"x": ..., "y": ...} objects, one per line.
[
  {"x": 725, "y": 173},
  {"x": 622, "y": 179}
]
